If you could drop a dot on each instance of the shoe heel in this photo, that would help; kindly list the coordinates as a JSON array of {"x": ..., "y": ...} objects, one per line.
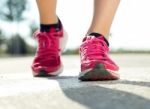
[{"x": 63, "y": 41}]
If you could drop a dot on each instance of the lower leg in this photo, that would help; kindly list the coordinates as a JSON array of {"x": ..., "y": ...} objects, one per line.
[
  {"x": 47, "y": 11},
  {"x": 104, "y": 11}
]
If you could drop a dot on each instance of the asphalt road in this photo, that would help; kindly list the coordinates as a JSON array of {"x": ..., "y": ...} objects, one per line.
[{"x": 19, "y": 90}]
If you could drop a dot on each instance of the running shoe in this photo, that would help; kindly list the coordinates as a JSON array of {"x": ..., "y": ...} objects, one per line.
[
  {"x": 95, "y": 61},
  {"x": 47, "y": 61}
]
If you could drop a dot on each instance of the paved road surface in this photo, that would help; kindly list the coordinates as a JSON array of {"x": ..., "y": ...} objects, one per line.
[{"x": 19, "y": 90}]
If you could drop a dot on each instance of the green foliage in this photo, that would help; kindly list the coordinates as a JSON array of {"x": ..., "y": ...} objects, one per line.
[
  {"x": 16, "y": 46},
  {"x": 13, "y": 10},
  {"x": 31, "y": 50},
  {"x": 1, "y": 38},
  {"x": 71, "y": 51}
]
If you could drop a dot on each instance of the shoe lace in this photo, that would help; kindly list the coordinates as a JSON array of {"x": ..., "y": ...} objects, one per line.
[
  {"x": 96, "y": 49},
  {"x": 48, "y": 47}
]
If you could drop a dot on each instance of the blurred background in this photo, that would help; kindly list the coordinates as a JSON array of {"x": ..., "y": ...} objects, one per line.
[{"x": 130, "y": 32}]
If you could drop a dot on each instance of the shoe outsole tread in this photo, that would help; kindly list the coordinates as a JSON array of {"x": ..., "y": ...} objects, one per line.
[{"x": 98, "y": 73}]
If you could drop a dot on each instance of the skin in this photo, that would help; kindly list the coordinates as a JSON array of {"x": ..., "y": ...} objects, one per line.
[
  {"x": 47, "y": 11},
  {"x": 104, "y": 12}
]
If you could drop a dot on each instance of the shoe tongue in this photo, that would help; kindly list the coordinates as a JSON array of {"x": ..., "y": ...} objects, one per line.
[
  {"x": 88, "y": 38},
  {"x": 95, "y": 36}
]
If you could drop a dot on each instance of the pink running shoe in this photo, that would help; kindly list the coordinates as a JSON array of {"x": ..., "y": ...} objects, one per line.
[
  {"x": 95, "y": 61},
  {"x": 47, "y": 61}
]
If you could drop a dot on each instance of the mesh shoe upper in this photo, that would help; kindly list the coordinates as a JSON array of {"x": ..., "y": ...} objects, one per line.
[
  {"x": 95, "y": 50},
  {"x": 48, "y": 52}
]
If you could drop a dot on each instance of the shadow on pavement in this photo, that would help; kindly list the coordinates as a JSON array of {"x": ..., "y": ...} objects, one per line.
[
  {"x": 98, "y": 97},
  {"x": 121, "y": 81}
]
